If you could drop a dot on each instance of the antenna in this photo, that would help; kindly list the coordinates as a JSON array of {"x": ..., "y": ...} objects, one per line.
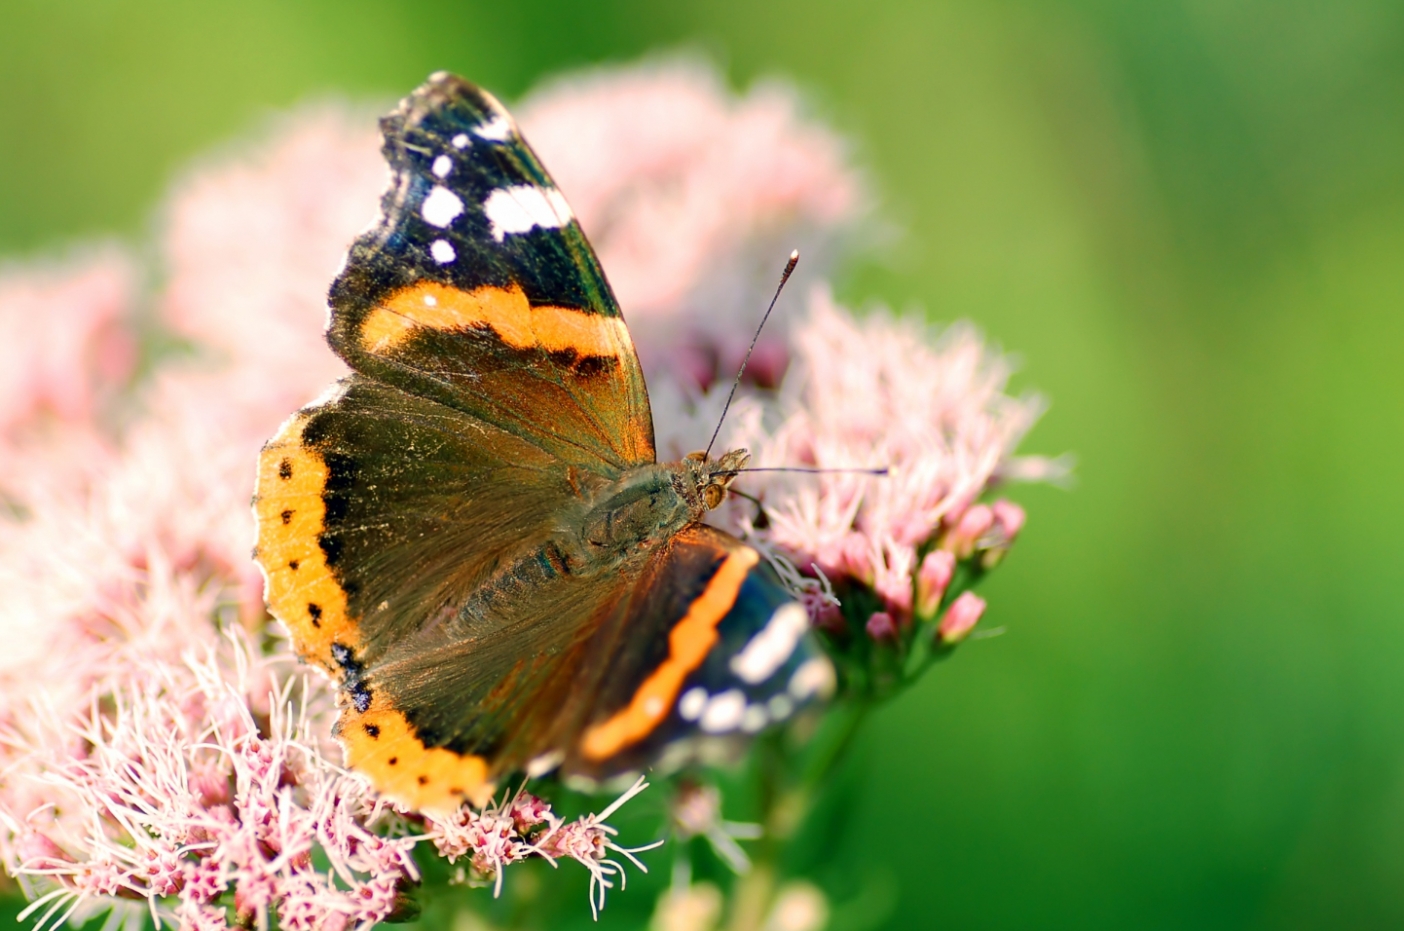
[
  {"x": 784, "y": 277},
  {"x": 882, "y": 471}
]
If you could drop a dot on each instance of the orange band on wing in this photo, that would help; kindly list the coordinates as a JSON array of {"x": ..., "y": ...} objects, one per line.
[
  {"x": 688, "y": 644},
  {"x": 430, "y": 305},
  {"x": 381, "y": 744},
  {"x": 290, "y": 514}
]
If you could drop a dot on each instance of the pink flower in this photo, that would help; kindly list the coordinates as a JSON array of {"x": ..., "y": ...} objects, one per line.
[
  {"x": 697, "y": 812},
  {"x": 961, "y": 618},
  {"x": 589, "y": 842},
  {"x": 524, "y": 826},
  {"x": 67, "y": 348},
  {"x": 928, "y": 407}
]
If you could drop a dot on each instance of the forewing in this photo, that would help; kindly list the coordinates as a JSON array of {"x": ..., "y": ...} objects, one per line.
[{"x": 477, "y": 288}]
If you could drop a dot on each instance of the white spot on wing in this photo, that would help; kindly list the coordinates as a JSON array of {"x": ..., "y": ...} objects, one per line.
[
  {"x": 543, "y": 764},
  {"x": 460, "y": 141},
  {"x": 430, "y": 300},
  {"x": 754, "y": 719},
  {"x": 519, "y": 208},
  {"x": 815, "y": 677},
  {"x": 768, "y": 650},
  {"x": 497, "y": 129},
  {"x": 694, "y": 700},
  {"x": 780, "y": 707},
  {"x": 442, "y": 166},
  {"x": 653, "y": 705},
  {"x": 442, "y": 251},
  {"x": 441, "y": 207},
  {"x": 723, "y": 712}
]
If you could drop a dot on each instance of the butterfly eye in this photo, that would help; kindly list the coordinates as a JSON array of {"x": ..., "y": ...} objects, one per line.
[{"x": 713, "y": 495}]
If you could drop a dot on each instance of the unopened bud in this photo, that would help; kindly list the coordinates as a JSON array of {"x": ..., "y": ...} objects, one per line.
[
  {"x": 882, "y": 627},
  {"x": 1009, "y": 518},
  {"x": 932, "y": 578},
  {"x": 973, "y": 525},
  {"x": 961, "y": 618},
  {"x": 826, "y": 615}
]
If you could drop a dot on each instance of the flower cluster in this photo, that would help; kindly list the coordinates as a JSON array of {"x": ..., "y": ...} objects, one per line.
[
  {"x": 524, "y": 826},
  {"x": 175, "y": 789},
  {"x": 162, "y": 752},
  {"x": 908, "y": 430}
]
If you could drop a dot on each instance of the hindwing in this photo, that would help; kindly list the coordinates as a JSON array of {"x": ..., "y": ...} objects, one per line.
[{"x": 682, "y": 655}]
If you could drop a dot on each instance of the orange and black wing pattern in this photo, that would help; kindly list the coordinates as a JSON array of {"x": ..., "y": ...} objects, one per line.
[
  {"x": 434, "y": 531},
  {"x": 477, "y": 288},
  {"x": 381, "y": 516}
]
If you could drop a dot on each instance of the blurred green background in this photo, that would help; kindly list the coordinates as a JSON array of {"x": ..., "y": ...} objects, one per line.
[{"x": 1187, "y": 216}]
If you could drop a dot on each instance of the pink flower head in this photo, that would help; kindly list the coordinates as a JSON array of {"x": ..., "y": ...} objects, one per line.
[
  {"x": 930, "y": 409},
  {"x": 697, "y": 812},
  {"x": 523, "y": 826},
  {"x": 589, "y": 842},
  {"x": 67, "y": 347},
  {"x": 961, "y": 618},
  {"x": 1008, "y": 519}
]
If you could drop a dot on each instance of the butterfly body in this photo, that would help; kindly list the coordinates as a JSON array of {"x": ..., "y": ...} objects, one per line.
[{"x": 471, "y": 532}]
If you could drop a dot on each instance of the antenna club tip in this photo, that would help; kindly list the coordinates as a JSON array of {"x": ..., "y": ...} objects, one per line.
[{"x": 794, "y": 256}]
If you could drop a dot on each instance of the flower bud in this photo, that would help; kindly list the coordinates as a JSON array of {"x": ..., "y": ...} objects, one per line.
[
  {"x": 1008, "y": 518},
  {"x": 973, "y": 525},
  {"x": 824, "y": 613},
  {"x": 932, "y": 578},
  {"x": 895, "y": 590},
  {"x": 961, "y": 618},
  {"x": 882, "y": 627}
]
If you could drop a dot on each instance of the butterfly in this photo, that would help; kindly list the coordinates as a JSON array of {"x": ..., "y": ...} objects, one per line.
[{"x": 471, "y": 533}]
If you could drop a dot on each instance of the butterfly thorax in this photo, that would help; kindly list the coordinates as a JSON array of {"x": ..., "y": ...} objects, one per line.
[{"x": 651, "y": 503}]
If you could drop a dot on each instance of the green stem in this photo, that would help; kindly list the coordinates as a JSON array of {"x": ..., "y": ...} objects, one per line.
[{"x": 784, "y": 810}]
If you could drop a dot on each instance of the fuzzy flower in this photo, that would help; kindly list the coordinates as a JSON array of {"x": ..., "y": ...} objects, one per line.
[
  {"x": 927, "y": 408},
  {"x": 523, "y": 826},
  {"x": 885, "y": 394},
  {"x": 172, "y": 790},
  {"x": 67, "y": 345},
  {"x": 589, "y": 842}
]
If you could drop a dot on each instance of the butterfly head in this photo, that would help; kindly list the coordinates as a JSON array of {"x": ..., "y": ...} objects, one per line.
[{"x": 714, "y": 476}]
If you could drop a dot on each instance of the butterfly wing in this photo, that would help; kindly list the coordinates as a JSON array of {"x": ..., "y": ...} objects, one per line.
[
  {"x": 477, "y": 288},
  {"x": 408, "y": 524},
  {"x": 683, "y": 654},
  {"x": 709, "y": 649}
]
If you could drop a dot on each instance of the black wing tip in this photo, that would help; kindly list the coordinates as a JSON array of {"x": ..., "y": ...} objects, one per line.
[{"x": 442, "y": 90}]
